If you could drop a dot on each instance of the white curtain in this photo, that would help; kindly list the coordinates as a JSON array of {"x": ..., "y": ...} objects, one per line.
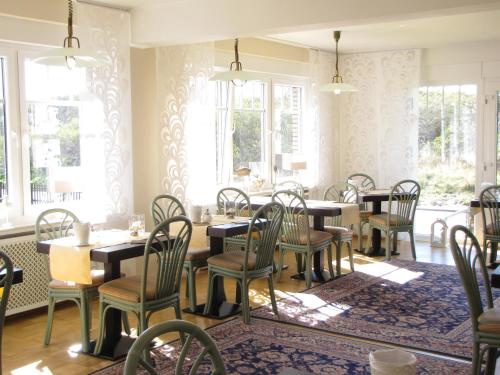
[
  {"x": 187, "y": 120},
  {"x": 379, "y": 124},
  {"x": 107, "y": 31}
]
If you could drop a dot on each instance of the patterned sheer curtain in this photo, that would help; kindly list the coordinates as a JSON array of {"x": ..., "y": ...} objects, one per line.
[
  {"x": 379, "y": 124},
  {"x": 107, "y": 31},
  {"x": 187, "y": 120}
]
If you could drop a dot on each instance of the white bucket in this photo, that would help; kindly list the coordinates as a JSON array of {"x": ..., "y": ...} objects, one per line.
[{"x": 392, "y": 362}]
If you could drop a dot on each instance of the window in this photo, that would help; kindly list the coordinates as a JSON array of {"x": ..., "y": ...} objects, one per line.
[
  {"x": 260, "y": 124},
  {"x": 3, "y": 132}
]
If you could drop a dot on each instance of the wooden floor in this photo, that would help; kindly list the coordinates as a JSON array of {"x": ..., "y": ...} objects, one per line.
[{"x": 24, "y": 353}]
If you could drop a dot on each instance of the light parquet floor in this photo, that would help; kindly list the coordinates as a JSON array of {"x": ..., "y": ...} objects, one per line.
[{"x": 24, "y": 353}]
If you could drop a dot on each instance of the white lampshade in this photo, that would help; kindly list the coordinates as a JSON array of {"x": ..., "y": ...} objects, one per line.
[
  {"x": 337, "y": 88},
  {"x": 58, "y": 56}
]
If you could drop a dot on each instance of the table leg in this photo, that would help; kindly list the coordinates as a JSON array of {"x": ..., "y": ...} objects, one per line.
[
  {"x": 220, "y": 309},
  {"x": 319, "y": 274},
  {"x": 115, "y": 345}
]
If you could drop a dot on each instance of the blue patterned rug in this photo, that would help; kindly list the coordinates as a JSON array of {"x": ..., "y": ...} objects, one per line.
[
  {"x": 413, "y": 304},
  {"x": 266, "y": 347}
]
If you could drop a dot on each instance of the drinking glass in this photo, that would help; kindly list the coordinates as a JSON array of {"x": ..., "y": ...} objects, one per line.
[{"x": 136, "y": 225}]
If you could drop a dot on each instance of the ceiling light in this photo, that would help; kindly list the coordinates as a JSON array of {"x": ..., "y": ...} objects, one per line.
[
  {"x": 236, "y": 74},
  {"x": 337, "y": 86},
  {"x": 70, "y": 54}
]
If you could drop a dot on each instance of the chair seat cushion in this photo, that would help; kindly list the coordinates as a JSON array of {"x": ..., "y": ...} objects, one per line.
[
  {"x": 233, "y": 260},
  {"x": 196, "y": 253},
  {"x": 129, "y": 288},
  {"x": 364, "y": 215},
  {"x": 381, "y": 219},
  {"x": 339, "y": 233},
  {"x": 489, "y": 320},
  {"x": 317, "y": 237},
  {"x": 97, "y": 279}
]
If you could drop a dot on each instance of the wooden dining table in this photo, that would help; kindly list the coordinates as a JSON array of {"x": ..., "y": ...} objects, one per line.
[{"x": 115, "y": 345}]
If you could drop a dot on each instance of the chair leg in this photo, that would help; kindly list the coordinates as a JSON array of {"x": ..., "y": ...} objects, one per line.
[
  {"x": 211, "y": 280},
  {"x": 493, "y": 254},
  {"x": 272, "y": 295},
  {"x": 84, "y": 320},
  {"x": 412, "y": 244},
  {"x": 100, "y": 337},
  {"x": 280, "y": 262},
  {"x": 387, "y": 245},
  {"x": 351, "y": 254},
  {"x": 188, "y": 274},
  {"x": 125, "y": 323},
  {"x": 298, "y": 260},
  {"x": 178, "y": 311},
  {"x": 476, "y": 360},
  {"x": 245, "y": 306},
  {"x": 360, "y": 237},
  {"x": 192, "y": 288},
  {"x": 308, "y": 270},
  {"x": 338, "y": 257},
  {"x": 491, "y": 361},
  {"x": 50, "y": 320},
  {"x": 330, "y": 261}
]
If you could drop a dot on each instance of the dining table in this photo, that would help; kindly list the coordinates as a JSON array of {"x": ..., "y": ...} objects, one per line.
[
  {"x": 115, "y": 344},
  {"x": 376, "y": 197},
  {"x": 319, "y": 210}
]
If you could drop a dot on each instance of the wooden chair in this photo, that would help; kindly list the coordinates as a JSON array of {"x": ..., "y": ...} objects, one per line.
[
  {"x": 345, "y": 193},
  {"x": 52, "y": 224},
  {"x": 164, "y": 207},
  {"x": 7, "y": 269},
  {"x": 291, "y": 185},
  {"x": 158, "y": 286},
  {"x": 490, "y": 212},
  {"x": 192, "y": 332},
  {"x": 362, "y": 182},
  {"x": 242, "y": 208},
  {"x": 255, "y": 262},
  {"x": 400, "y": 216},
  {"x": 470, "y": 261},
  {"x": 296, "y": 235}
]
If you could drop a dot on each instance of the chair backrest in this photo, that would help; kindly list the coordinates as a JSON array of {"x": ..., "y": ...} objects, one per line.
[
  {"x": 169, "y": 252},
  {"x": 490, "y": 209},
  {"x": 296, "y": 219},
  {"x": 470, "y": 260},
  {"x": 240, "y": 199},
  {"x": 342, "y": 192},
  {"x": 267, "y": 223},
  {"x": 165, "y": 206},
  {"x": 7, "y": 274},
  {"x": 361, "y": 181},
  {"x": 294, "y": 186},
  {"x": 403, "y": 201},
  {"x": 206, "y": 346},
  {"x": 54, "y": 223}
]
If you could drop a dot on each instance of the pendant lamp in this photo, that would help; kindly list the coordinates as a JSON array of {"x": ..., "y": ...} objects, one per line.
[
  {"x": 236, "y": 74},
  {"x": 70, "y": 54},
  {"x": 337, "y": 86}
]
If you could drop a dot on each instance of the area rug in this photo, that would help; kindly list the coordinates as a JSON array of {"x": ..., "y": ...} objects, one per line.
[
  {"x": 413, "y": 304},
  {"x": 265, "y": 347}
]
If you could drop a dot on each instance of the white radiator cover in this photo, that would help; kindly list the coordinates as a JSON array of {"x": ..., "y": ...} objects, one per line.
[{"x": 32, "y": 292}]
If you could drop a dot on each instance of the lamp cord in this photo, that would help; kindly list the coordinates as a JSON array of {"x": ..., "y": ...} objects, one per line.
[{"x": 336, "y": 57}]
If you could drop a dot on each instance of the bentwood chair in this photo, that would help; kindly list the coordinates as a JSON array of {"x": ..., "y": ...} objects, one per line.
[
  {"x": 345, "y": 193},
  {"x": 255, "y": 262},
  {"x": 158, "y": 286},
  {"x": 470, "y": 261},
  {"x": 291, "y": 185},
  {"x": 242, "y": 207},
  {"x": 205, "y": 347},
  {"x": 164, "y": 207},
  {"x": 7, "y": 269},
  {"x": 52, "y": 224},
  {"x": 362, "y": 182},
  {"x": 490, "y": 212},
  {"x": 400, "y": 216},
  {"x": 296, "y": 236}
]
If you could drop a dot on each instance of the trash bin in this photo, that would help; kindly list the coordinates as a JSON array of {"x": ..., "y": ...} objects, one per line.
[{"x": 392, "y": 362}]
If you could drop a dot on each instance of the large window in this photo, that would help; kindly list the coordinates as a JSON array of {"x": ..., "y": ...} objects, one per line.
[
  {"x": 259, "y": 127},
  {"x": 3, "y": 132}
]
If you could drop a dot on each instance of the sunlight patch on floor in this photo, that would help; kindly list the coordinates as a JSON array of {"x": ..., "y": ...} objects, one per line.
[
  {"x": 389, "y": 272},
  {"x": 32, "y": 369}
]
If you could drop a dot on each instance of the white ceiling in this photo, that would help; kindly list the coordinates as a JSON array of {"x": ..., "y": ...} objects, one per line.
[{"x": 416, "y": 33}]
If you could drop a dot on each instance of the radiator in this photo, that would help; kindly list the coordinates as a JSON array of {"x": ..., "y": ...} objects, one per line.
[{"x": 32, "y": 292}]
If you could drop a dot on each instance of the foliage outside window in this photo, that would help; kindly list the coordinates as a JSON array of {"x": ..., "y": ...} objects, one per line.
[{"x": 447, "y": 144}]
